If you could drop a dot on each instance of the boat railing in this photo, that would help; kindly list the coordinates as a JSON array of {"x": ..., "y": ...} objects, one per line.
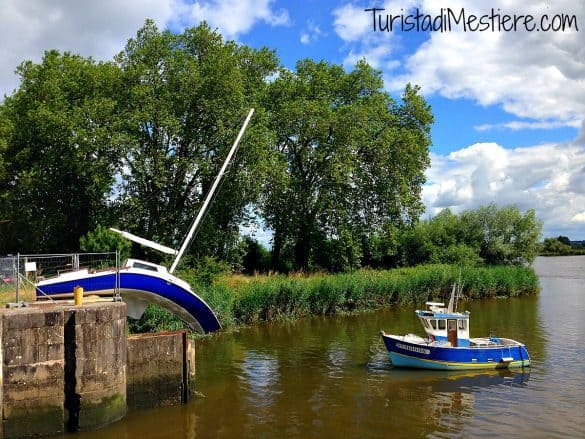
[
  {"x": 492, "y": 342},
  {"x": 31, "y": 271}
]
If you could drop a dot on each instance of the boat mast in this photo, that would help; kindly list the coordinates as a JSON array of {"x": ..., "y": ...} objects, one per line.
[{"x": 189, "y": 236}]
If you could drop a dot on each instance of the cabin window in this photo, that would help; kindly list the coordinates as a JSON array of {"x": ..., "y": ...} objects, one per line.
[
  {"x": 144, "y": 266},
  {"x": 425, "y": 323},
  {"x": 442, "y": 324},
  {"x": 433, "y": 323},
  {"x": 463, "y": 324}
]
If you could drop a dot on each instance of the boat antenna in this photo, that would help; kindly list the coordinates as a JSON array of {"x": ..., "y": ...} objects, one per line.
[
  {"x": 452, "y": 298},
  {"x": 209, "y": 196}
]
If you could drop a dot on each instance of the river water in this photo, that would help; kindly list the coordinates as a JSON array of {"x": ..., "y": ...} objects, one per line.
[{"x": 331, "y": 377}]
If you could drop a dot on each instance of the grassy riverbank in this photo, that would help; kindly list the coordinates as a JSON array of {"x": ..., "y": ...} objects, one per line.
[{"x": 245, "y": 300}]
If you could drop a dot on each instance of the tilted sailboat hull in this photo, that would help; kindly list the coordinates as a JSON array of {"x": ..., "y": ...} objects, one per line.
[{"x": 138, "y": 288}]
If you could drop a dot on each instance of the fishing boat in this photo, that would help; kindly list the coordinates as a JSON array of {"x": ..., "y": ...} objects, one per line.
[
  {"x": 140, "y": 282},
  {"x": 448, "y": 345}
]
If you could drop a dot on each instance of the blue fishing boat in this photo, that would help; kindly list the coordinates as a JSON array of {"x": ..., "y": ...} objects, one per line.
[{"x": 448, "y": 345}]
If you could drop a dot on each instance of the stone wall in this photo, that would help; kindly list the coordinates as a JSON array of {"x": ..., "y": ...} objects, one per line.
[
  {"x": 63, "y": 368},
  {"x": 33, "y": 362},
  {"x": 71, "y": 368},
  {"x": 158, "y": 369},
  {"x": 95, "y": 365}
]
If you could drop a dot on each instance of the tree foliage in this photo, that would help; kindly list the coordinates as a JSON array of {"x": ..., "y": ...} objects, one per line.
[
  {"x": 556, "y": 246},
  {"x": 488, "y": 235},
  {"x": 103, "y": 240},
  {"x": 349, "y": 159},
  {"x": 60, "y": 148},
  {"x": 184, "y": 98}
]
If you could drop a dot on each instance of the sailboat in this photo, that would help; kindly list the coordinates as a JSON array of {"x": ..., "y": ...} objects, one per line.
[{"x": 140, "y": 283}]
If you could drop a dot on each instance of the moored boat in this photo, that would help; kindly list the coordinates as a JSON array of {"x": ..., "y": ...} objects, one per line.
[{"x": 448, "y": 345}]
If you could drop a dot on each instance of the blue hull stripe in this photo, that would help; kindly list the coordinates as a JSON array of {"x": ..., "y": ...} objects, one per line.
[
  {"x": 405, "y": 354},
  {"x": 187, "y": 300}
]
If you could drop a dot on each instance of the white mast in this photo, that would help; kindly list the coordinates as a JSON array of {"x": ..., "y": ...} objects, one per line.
[{"x": 189, "y": 236}]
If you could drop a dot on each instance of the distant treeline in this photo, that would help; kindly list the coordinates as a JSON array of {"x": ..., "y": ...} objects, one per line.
[
  {"x": 561, "y": 246},
  {"x": 485, "y": 236}
]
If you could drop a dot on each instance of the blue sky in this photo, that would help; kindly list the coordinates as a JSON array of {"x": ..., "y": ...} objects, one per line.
[{"x": 509, "y": 106}]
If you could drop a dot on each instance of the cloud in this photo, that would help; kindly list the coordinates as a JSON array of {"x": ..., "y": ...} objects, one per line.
[
  {"x": 537, "y": 75},
  {"x": 549, "y": 178},
  {"x": 312, "y": 33},
  {"x": 354, "y": 26},
  {"x": 351, "y": 23},
  {"x": 101, "y": 29},
  {"x": 89, "y": 28},
  {"x": 233, "y": 17},
  {"x": 517, "y": 125},
  {"x": 579, "y": 218},
  {"x": 532, "y": 75}
]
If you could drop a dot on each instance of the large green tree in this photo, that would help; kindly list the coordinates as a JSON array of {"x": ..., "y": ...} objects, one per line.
[
  {"x": 184, "y": 98},
  {"x": 349, "y": 159},
  {"x": 59, "y": 144},
  {"x": 488, "y": 235}
]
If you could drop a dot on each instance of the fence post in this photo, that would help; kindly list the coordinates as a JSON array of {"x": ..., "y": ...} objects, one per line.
[{"x": 17, "y": 277}]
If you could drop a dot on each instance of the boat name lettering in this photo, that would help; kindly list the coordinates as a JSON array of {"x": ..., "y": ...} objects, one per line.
[{"x": 413, "y": 348}]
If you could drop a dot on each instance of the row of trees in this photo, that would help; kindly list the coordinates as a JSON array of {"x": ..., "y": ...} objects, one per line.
[
  {"x": 330, "y": 161},
  {"x": 485, "y": 236},
  {"x": 562, "y": 246}
]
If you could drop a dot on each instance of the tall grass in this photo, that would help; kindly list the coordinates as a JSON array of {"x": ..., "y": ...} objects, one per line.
[
  {"x": 277, "y": 297},
  {"x": 246, "y": 300}
]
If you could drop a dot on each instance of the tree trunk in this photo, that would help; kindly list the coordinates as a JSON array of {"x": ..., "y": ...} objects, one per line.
[
  {"x": 303, "y": 250},
  {"x": 276, "y": 248}
]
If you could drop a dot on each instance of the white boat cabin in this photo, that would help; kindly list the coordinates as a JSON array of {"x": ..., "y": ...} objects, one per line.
[{"x": 443, "y": 325}]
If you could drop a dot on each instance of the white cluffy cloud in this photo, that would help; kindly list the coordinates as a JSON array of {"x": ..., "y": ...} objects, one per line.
[
  {"x": 517, "y": 125},
  {"x": 233, "y": 17},
  {"x": 89, "y": 28},
  {"x": 535, "y": 75},
  {"x": 101, "y": 29},
  {"x": 549, "y": 178}
]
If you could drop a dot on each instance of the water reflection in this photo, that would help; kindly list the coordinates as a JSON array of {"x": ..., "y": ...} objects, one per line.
[{"x": 331, "y": 377}]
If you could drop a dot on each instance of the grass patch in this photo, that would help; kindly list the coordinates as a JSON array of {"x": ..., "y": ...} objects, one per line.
[{"x": 243, "y": 300}]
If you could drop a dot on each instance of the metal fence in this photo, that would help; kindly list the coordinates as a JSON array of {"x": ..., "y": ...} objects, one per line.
[{"x": 22, "y": 276}]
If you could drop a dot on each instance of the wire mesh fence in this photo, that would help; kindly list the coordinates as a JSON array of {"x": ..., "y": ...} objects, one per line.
[{"x": 31, "y": 277}]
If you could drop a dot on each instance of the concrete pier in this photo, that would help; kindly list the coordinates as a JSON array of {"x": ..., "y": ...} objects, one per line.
[
  {"x": 158, "y": 369},
  {"x": 95, "y": 365},
  {"x": 63, "y": 368},
  {"x": 33, "y": 364},
  {"x": 66, "y": 368}
]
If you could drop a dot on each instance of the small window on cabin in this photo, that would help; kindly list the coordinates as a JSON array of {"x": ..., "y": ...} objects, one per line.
[
  {"x": 463, "y": 324},
  {"x": 442, "y": 324},
  {"x": 144, "y": 266},
  {"x": 433, "y": 323}
]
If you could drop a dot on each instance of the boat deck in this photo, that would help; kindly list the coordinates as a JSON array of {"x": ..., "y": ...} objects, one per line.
[{"x": 481, "y": 342}]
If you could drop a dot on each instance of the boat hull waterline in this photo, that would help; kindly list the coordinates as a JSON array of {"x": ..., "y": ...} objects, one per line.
[{"x": 424, "y": 354}]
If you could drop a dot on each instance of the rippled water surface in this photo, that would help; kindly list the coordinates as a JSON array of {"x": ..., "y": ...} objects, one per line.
[{"x": 331, "y": 377}]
